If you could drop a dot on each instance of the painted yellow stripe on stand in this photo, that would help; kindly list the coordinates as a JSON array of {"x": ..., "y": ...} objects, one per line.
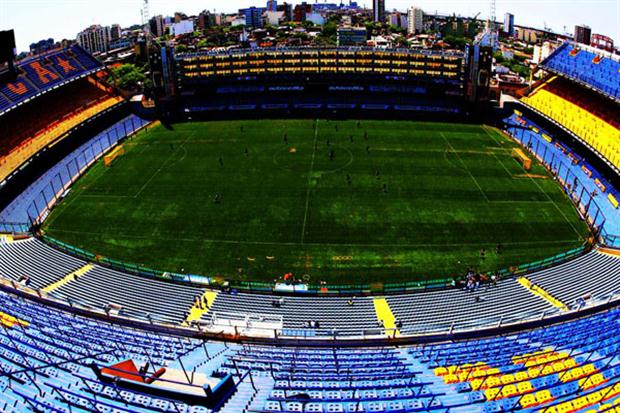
[
  {"x": 384, "y": 314},
  {"x": 68, "y": 278},
  {"x": 610, "y": 251},
  {"x": 196, "y": 312},
  {"x": 539, "y": 291}
]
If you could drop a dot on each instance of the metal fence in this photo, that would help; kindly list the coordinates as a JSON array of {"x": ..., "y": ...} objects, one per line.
[
  {"x": 573, "y": 186},
  {"x": 46, "y": 191}
]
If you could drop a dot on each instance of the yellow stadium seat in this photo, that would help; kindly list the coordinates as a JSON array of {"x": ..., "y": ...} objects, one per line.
[
  {"x": 527, "y": 401},
  {"x": 440, "y": 371},
  {"x": 491, "y": 394},
  {"x": 589, "y": 369},
  {"x": 581, "y": 403},
  {"x": 521, "y": 376},
  {"x": 595, "y": 397},
  {"x": 543, "y": 396},
  {"x": 507, "y": 379},
  {"x": 524, "y": 387},
  {"x": 476, "y": 383},
  {"x": 509, "y": 390},
  {"x": 565, "y": 407},
  {"x": 450, "y": 378},
  {"x": 492, "y": 382}
]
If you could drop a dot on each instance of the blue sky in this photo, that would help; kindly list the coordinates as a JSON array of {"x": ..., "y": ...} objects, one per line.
[{"x": 37, "y": 19}]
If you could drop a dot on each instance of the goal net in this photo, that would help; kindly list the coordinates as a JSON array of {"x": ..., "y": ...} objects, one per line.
[
  {"x": 116, "y": 152},
  {"x": 522, "y": 158}
]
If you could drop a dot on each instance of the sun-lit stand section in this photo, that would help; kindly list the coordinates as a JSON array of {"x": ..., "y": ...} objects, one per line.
[
  {"x": 201, "y": 306},
  {"x": 540, "y": 292},
  {"x": 68, "y": 278}
]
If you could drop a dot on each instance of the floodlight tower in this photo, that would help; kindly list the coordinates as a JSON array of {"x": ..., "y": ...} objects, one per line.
[
  {"x": 146, "y": 23},
  {"x": 493, "y": 36}
]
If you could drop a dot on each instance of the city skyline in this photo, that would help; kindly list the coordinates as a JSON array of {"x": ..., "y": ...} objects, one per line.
[{"x": 34, "y": 20}]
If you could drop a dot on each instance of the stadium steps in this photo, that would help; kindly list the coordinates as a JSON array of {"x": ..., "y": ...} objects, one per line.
[
  {"x": 385, "y": 316},
  {"x": 198, "y": 310},
  {"x": 68, "y": 278},
  {"x": 245, "y": 397},
  {"x": 541, "y": 292}
]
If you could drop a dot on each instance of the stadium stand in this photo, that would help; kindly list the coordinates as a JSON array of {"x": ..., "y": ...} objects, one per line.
[
  {"x": 423, "y": 63},
  {"x": 40, "y": 273},
  {"x": 4, "y": 103},
  {"x": 93, "y": 290},
  {"x": 51, "y": 133},
  {"x": 585, "y": 115},
  {"x": 588, "y": 188},
  {"x": 589, "y": 66},
  {"x": 41, "y": 73},
  {"x": 553, "y": 279},
  {"x": 34, "y": 201},
  {"x": 593, "y": 275}
]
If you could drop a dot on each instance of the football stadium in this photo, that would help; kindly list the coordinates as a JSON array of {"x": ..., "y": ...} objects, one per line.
[{"x": 322, "y": 229}]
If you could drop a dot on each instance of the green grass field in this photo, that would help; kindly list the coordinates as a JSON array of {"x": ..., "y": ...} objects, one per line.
[{"x": 449, "y": 191}]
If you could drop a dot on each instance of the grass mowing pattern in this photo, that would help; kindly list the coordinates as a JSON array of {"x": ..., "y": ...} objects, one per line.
[{"x": 450, "y": 190}]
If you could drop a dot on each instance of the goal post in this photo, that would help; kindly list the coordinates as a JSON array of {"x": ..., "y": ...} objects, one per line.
[
  {"x": 522, "y": 158},
  {"x": 115, "y": 153}
]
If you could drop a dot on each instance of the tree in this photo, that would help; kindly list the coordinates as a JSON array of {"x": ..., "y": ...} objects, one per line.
[
  {"x": 128, "y": 77},
  {"x": 457, "y": 42}
]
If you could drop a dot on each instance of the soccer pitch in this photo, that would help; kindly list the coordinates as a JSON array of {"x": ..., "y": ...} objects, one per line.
[{"x": 335, "y": 201}]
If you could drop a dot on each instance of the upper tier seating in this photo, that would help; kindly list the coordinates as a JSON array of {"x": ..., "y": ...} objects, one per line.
[
  {"x": 4, "y": 103},
  {"x": 38, "y": 115},
  {"x": 587, "y": 65},
  {"x": 40, "y": 73},
  {"x": 588, "y": 116},
  {"x": 54, "y": 131}
]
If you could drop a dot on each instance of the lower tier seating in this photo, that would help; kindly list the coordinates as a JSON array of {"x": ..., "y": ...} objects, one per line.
[{"x": 593, "y": 275}]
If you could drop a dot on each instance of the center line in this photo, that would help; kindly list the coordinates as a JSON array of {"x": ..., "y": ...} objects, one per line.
[{"x": 303, "y": 227}]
